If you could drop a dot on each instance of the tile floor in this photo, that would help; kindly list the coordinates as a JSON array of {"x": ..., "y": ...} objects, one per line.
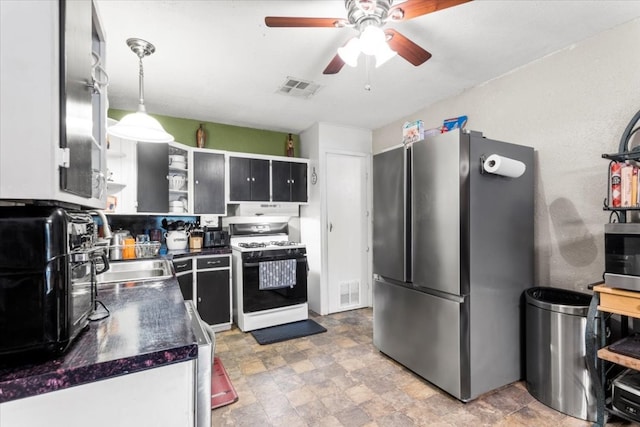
[{"x": 338, "y": 378}]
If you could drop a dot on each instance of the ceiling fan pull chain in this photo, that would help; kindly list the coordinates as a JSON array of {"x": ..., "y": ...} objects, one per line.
[{"x": 367, "y": 67}]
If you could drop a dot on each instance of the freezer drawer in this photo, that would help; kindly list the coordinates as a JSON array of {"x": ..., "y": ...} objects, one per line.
[{"x": 422, "y": 332}]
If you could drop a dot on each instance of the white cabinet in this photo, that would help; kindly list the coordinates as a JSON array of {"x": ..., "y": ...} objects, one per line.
[
  {"x": 53, "y": 104},
  {"x": 159, "y": 397}
]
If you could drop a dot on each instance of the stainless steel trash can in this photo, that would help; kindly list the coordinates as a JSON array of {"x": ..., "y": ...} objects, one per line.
[{"x": 556, "y": 368}]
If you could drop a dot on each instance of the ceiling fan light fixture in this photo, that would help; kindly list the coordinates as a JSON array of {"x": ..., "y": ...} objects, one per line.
[
  {"x": 350, "y": 52},
  {"x": 371, "y": 39},
  {"x": 140, "y": 126},
  {"x": 384, "y": 54}
]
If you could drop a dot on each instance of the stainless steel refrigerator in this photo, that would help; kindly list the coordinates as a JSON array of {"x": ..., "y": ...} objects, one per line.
[{"x": 453, "y": 253}]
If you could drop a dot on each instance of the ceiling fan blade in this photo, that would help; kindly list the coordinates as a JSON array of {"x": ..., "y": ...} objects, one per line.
[
  {"x": 414, "y": 8},
  {"x": 406, "y": 48},
  {"x": 334, "y": 66},
  {"x": 286, "y": 21}
]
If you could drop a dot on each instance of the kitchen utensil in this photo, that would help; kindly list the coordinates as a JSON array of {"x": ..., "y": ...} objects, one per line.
[
  {"x": 117, "y": 243},
  {"x": 176, "y": 239}
]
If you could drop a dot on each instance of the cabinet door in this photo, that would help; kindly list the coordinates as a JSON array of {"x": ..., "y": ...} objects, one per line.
[
  {"x": 299, "y": 182},
  {"x": 76, "y": 110},
  {"x": 186, "y": 285},
  {"x": 214, "y": 296},
  {"x": 239, "y": 178},
  {"x": 208, "y": 175},
  {"x": 281, "y": 181},
  {"x": 259, "y": 180},
  {"x": 153, "y": 168}
]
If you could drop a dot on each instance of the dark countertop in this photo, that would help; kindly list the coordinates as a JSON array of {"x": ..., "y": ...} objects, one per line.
[
  {"x": 223, "y": 250},
  {"x": 148, "y": 327}
]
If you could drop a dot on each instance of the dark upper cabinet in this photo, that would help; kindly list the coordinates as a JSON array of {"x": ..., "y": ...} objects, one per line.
[
  {"x": 248, "y": 179},
  {"x": 289, "y": 181},
  {"x": 208, "y": 180},
  {"x": 153, "y": 168}
]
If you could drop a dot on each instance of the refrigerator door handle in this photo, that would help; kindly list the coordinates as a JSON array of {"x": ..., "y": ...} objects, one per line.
[{"x": 436, "y": 293}]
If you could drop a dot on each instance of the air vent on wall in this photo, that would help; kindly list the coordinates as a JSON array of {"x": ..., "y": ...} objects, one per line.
[{"x": 298, "y": 88}]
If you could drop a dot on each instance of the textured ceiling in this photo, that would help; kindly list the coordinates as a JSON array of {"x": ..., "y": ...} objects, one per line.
[{"x": 217, "y": 61}]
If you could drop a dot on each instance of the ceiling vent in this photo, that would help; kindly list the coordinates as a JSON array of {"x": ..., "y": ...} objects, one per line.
[{"x": 298, "y": 88}]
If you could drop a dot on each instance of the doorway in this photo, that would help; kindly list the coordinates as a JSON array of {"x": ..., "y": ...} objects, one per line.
[{"x": 347, "y": 231}]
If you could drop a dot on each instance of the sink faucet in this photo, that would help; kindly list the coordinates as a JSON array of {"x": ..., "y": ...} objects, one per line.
[{"x": 106, "y": 230}]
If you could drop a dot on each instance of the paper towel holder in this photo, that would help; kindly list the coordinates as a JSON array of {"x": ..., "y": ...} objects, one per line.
[
  {"x": 483, "y": 158},
  {"x": 510, "y": 174}
]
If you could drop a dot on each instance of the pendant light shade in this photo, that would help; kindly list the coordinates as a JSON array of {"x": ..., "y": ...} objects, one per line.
[{"x": 140, "y": 126}]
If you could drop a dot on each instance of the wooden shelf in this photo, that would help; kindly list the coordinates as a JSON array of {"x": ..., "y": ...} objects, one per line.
[
  {"x": 619, "y": 359},
  {"x": 618, "y": 301}
]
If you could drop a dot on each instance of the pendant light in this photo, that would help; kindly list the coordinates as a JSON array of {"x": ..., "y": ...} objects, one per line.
[{"x": 140, "y": 126}]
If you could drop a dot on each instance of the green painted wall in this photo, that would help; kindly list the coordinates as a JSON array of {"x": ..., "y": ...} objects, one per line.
[{"x": 223, "y": 137}]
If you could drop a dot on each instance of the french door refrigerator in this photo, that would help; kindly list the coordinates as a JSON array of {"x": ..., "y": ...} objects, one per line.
[{"x": 453, "y": 253}]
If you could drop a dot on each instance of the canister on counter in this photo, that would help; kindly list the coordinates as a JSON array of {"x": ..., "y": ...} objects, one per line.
[{"x": 129, "y": 249}]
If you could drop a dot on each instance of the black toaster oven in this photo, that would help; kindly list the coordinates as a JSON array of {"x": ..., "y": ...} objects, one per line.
[{"x": 47, "y": 274}]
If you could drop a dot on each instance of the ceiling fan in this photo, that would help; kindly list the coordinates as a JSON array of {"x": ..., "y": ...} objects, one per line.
[{"x": 369, "y": 17}]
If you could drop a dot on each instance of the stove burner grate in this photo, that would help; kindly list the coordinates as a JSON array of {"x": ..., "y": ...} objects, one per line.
[
  {"x": 252, "y": 245},
  {"x": 283, "y": 243}
]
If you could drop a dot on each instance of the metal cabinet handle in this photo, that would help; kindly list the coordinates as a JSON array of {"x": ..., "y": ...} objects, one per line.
[
  {"x": 197, "y": 182},
  {"x": 330, "y": 227},
  {"x": 248, "y": 179},
  {"x": 253, "y": 179},
  {"x": 292, "y": 181},
  {"x": 199, "y": 299},
  {"x": 182, "y": 265},
  {"x": 213, "y": 262}
]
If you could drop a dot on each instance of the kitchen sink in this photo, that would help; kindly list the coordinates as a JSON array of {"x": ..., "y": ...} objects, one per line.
[{"x": 136, "y": 270}]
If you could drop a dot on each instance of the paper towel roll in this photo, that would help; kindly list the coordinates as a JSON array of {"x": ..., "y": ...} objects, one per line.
[{"x": 504, "y": 166}]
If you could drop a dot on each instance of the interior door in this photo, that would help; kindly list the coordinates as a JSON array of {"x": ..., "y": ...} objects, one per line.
[{"x": 347, "y": 232}]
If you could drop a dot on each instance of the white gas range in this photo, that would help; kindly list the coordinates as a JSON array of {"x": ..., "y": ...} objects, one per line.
[{"x": 269, "y": 275}]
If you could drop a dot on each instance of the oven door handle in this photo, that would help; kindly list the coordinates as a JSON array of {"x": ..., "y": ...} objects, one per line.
[{"x": 257, "y": 264}]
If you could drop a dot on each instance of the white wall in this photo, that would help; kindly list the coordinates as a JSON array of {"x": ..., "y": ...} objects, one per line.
[
  {"x": 570, "y": 106},
  {"x": 316, "y": 141}
]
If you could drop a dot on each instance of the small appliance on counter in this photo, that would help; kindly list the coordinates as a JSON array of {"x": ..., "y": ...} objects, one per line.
[
  {"x": 215, "y": 238},
  {"x": 48, "y": 264}
]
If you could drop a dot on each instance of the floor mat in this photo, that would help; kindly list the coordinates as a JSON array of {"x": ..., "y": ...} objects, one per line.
[
  {"x": 222, "y": 391},
  {"x": 288, "y": 331}
]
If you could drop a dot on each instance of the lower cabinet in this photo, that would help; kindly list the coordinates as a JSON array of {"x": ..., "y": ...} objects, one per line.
[
  {"x": 214, "y": 295},
  {"x": 206, "y": 279},
  {"x": 184, "y": 274},
  {"x": 162, "y": 396}
]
